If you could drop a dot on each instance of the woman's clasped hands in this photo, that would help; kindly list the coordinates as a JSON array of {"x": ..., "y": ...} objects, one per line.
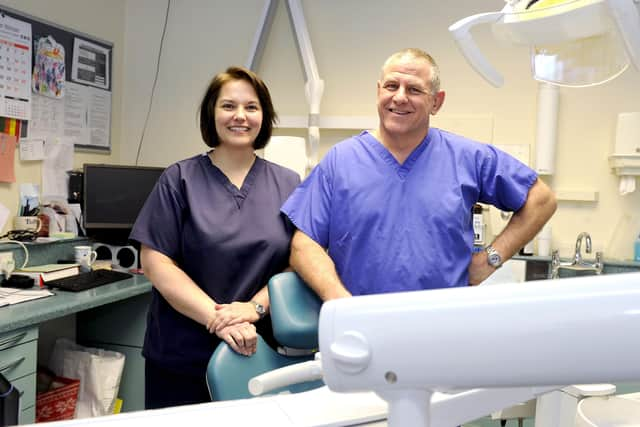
[{"x": 233, "y": 323}]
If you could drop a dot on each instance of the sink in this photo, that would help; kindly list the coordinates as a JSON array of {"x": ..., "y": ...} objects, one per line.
[{"x": 608, "y": 411}]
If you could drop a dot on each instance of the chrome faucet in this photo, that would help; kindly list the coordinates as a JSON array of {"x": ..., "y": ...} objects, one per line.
[
  {"x": 577, "y": 263},
  {"x": 577, "y": 257}
]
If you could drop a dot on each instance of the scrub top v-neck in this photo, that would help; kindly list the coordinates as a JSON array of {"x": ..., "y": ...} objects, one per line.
[{"x": 239, "y": 194}]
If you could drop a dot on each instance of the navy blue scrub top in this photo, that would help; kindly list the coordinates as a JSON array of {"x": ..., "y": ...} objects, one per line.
[{"x": 230, "y": 241}]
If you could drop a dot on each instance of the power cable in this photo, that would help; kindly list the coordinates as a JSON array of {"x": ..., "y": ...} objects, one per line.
[{"x": 155, "y": 81}]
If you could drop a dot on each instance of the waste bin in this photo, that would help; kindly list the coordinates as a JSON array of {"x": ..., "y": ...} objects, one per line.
[{"x": 9, "y": 403}]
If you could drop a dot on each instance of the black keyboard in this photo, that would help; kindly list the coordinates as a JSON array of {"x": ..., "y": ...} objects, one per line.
[{"x": 83, "y": 281}]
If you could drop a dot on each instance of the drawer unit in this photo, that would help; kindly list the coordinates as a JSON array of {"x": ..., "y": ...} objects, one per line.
[
  {"x": 27, "y": 387},
  {"x": 27, "y": 416},
  {"x": 18, "y": 360},
  {"x": 20, "y": 336}
]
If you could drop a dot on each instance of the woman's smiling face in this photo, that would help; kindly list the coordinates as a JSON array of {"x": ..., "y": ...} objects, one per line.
[{"x": 238, "y": 114}]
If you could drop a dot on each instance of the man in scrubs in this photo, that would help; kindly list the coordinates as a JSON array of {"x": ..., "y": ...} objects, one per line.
[{"x": 390, "y": 210}]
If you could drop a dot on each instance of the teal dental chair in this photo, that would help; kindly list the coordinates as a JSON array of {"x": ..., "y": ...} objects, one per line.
[{"x": 294, "y": 317}]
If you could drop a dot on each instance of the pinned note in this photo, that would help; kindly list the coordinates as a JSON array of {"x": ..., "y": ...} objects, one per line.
[
  {"x": 7, "y": 157},
  {"x": 31, "y": 149}
]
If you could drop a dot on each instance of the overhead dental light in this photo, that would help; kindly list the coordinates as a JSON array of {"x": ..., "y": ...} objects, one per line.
[{"x": 573, "y": 43}]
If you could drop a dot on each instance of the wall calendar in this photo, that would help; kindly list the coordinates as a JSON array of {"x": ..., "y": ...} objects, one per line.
[{"x": 15, "y": 68}]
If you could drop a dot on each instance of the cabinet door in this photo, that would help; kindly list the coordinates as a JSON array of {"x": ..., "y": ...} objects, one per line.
[{"x": 123, "y": 322}]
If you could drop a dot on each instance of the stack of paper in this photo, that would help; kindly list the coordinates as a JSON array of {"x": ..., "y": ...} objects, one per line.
[{"x": 10, "y": 296}]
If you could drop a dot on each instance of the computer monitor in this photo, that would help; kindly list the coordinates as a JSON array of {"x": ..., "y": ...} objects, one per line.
[{"x": 113, "y": 195}]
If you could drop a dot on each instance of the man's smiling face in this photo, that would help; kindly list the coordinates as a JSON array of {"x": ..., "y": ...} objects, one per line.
[{"x": 405, "y": 100}]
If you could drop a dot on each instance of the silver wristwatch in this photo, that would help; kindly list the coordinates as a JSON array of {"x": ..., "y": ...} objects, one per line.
[
  {"x": 493, "y": 257},
  {"x": 259, "y": 309}
]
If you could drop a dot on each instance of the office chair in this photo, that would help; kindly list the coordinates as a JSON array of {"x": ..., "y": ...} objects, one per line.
[{"x": 294, "y": 317}]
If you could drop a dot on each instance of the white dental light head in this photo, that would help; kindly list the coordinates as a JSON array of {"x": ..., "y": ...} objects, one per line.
[{"x": 573, "y": 43}]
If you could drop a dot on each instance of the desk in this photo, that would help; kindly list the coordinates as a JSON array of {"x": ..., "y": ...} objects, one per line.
[
  {"x": 29, "y": 315},
  {"x": 63, "y": 303}
]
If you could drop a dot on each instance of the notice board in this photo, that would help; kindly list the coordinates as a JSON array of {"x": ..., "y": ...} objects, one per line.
[{"x": 75, "y": 105}]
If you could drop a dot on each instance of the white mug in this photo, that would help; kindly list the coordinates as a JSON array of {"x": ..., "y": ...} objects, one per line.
[
  {"x": 30, "y": 223},
  {"x": 85, "y": 256}
]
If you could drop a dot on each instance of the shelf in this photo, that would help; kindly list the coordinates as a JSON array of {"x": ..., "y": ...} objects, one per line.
[
  {"x": 330, "y": 122},
  {"x": 625, "y": 164},
  {"x": 577, "y": 195},
  {"x": 474, "y": 126}
]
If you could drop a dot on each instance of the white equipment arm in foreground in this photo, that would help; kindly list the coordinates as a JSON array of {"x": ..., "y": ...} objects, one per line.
[{"x": 406, "y": 346}]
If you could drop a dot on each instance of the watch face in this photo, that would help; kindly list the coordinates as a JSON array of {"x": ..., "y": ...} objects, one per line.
[
  {"x": 259, "y": 309},
  {"x": 493, "y": 257}
]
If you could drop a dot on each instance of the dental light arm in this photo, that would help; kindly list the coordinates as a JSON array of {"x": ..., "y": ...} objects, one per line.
[
  {"x": 314, "y": 85},
  {"x": 407, "y": 346},
  {"x": 626, "y": 14},
  {"x": 292, "y": 374},
  {"x": 467, "y": 45},
  {"x": 445, "y": 409}
]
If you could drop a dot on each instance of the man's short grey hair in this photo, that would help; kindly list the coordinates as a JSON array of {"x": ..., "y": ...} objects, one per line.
[{"x": 419, "y": 54}]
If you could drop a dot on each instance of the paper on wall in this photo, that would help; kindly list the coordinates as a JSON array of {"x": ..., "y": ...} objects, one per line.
[
  {"x": 15, "y": 74},
  {"x": 57, "y": 161},
  {"x": 83, "y": 114},
  {"x": 90, "y": 63},
  {"x": 4, "y": 216},
  {"x": 7, "y": 157},
  {"x": 47, "y": 117},
  {"x": 31, "y": 149}
]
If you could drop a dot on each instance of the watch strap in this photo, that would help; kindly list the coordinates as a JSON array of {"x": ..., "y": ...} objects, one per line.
[{"x": 260, "y": 310}]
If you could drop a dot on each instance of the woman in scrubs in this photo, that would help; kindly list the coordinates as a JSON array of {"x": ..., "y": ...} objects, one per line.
[{"x": 211, "y": 236}]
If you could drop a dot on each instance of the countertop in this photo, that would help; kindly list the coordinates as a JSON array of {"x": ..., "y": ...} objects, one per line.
[
  {"x": 589, "y": 257},
  {"x": 30, "y": 313}
]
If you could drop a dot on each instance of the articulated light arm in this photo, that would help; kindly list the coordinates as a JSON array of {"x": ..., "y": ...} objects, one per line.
[
  {"x": 544, "y": 335},
  {"x": 314, "y": 87},
  {"x": 626, "y": 14},
  {"x": 461, "y": 32},
  {"x": 260, "y": 38}
]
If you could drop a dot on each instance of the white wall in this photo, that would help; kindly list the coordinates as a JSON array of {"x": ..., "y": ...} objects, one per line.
[
  {"x": 103, "y": 20},
  {"x": 351, "y": 39}
]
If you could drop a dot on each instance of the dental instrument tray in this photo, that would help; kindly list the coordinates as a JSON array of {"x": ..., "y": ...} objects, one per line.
[{"x": 91, "y": 279}]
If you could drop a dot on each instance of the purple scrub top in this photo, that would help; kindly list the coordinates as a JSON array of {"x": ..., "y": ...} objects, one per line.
[
  {"x": 393, "y": 227},
  {"x": 230, "y": 241}
]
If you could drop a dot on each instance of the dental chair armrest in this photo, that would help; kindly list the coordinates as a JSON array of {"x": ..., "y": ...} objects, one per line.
[{"x": 295, "y": 310}]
